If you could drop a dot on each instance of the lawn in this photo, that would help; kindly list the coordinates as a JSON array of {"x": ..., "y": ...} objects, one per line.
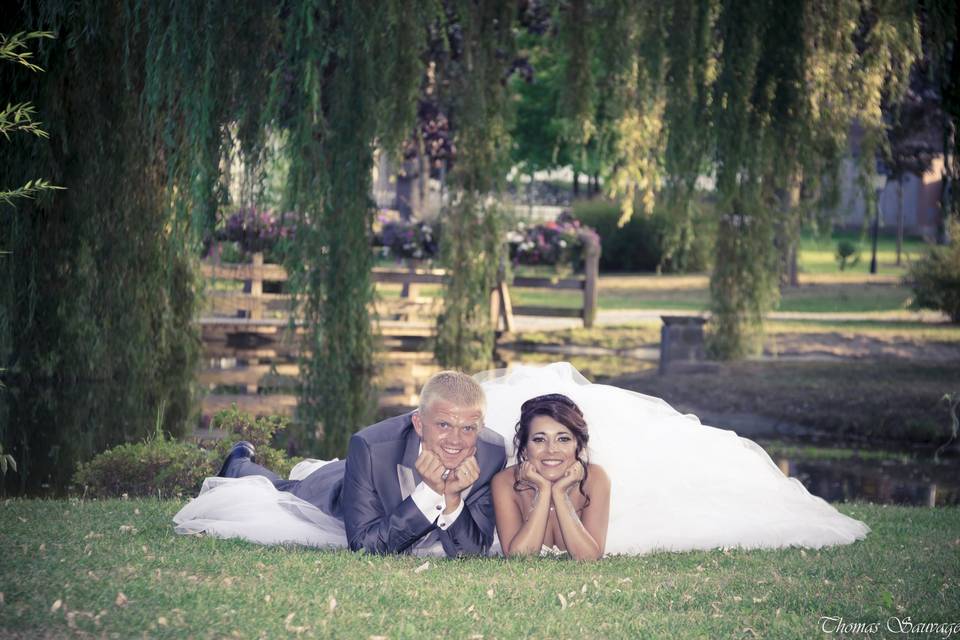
[
  {"x": 116, "y": 569},
  {"x": 817, "y": 255}
]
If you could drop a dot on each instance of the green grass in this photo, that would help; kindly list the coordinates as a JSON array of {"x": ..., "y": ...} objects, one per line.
[
  {"x": 65, "y": 565},
  {"x": 817, "y": 298},
  {"x": 891, "y": 329},
  {"x": 817, "y": 255}
]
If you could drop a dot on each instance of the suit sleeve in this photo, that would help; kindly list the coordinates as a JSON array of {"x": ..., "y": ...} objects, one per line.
[
  {"x": 472, "y": 532},
  {"x": 368, "y": 526}
]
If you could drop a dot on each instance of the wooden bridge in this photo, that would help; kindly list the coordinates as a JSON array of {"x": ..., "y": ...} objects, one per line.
[{"x": 251, "y": 346}]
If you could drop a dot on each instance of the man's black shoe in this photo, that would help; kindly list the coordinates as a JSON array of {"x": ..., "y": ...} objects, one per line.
[{"x": 243, "y": 450}]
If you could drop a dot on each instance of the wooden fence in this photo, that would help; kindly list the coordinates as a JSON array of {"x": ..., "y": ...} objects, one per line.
[{"x": 251, "y": 346}]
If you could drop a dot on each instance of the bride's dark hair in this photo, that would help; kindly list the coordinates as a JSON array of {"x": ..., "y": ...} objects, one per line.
[{"x": 563, "y": 410}]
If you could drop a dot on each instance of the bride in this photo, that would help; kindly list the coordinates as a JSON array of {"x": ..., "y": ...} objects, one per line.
[{"x": 674, "y": 484}]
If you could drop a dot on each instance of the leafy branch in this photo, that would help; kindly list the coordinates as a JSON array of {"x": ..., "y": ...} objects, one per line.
[
  {"x": 29, "y": 190},
  {"x": 14, "y": 48},
  {"x": 19, "y": 117}
]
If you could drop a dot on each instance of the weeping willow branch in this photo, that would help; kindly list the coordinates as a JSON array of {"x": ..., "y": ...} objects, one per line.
[{"x": 473, "y": 247}]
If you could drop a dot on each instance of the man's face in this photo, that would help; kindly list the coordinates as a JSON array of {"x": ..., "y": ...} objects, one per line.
[{"x": 448, "y": 430}]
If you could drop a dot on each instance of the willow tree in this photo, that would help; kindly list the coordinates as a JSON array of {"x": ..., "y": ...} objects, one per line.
[
  {"x": 101, "y": 289},
  {"x": 325, "y": 82},
  {"x": 478, "y": 46},
  {"x": 97, "y": 290},
  {"x": 759, "y": 94}
]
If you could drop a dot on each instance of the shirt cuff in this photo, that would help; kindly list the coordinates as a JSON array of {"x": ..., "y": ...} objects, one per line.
[
  {"x": 447, "y": 519},
  {"x": 430, "y": 503}
]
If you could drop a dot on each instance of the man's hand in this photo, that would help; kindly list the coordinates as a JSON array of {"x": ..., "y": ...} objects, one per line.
[
  {"x": 530, "y": 475},
  {"x": 463, "y": 476},
  {"x": 431, "y": 470},
  {"x": 570, "y": 478}
]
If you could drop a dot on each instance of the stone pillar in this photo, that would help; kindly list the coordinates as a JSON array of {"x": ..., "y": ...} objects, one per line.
[{"x": 681, "y": 341}]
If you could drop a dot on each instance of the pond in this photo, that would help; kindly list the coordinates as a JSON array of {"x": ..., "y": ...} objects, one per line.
[{"x": 878, "y": 476}]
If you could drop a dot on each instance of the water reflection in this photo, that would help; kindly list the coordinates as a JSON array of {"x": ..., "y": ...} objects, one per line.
[{"x": 914, "y": 482}]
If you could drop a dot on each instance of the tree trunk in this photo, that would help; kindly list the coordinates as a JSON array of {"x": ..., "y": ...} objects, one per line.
[{"x": 576, "y": 184}]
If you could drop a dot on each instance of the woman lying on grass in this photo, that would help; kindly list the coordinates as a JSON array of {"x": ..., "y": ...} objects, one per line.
[{"x": 552, "y": 498}]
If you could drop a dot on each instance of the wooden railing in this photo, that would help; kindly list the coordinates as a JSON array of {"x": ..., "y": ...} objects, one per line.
[{"x": 251, "y": 346}]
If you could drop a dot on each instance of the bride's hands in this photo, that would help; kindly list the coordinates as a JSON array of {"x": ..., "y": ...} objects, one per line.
[
  {"x": 530, "y": 475},
  {"x": 570, "y": 478}
]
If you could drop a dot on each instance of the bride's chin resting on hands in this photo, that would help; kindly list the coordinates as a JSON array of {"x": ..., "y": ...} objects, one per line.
[{"x": 552, "y": 497}]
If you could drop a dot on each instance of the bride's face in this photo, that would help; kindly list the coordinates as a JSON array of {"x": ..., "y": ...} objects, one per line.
[{"x": 551, "y": 447}]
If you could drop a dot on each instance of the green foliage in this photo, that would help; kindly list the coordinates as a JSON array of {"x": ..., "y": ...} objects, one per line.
[
  {"x": 848, "y": 254},
  {"x": 20, "y": 117},
  {"x": 165, "y": 467},
  {"x": 644, "y": 243},
  {"x": 97, "y": 297},
  {"x": 758, "y": 94},
  {"x": 155, "y": 467},
  {"x": 935, "y": 278},
  {"x": 259, "y": 431},
  {"x": 472, "y": 247}
]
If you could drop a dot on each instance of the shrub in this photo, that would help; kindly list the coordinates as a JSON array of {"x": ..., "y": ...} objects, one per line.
[
  {"x": 935, "y": 278},
  {"x": 643, "y": 243},
  {"x": 158, "y": 466},
  {"x": 848, "y": 254},
  {"x": 167, "y": 467}
]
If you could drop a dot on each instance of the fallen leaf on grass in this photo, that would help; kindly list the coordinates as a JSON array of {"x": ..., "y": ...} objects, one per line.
[
  {"x": 121, "y": 600},
  {"x": 1, "y": 597},
  {"x": 72, "y": 620},
  {"x": 267, "y": 598},
  {"x": 56, "y": 605},
  {"x": 21, "y": 519},
  {"x": 162, "y": 621},
  {"x": 126, "y": 528},
  {"x": 489, "y": 594},
  {"x": 378, "y": 638},
  {"x": 563, "y": 601},
  {"x": 332, "y": 604},
  {"x": 422, "y": 568},
  {"x": 288, "y": 624}
]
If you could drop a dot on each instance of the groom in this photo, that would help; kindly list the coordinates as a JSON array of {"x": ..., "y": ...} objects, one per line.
[{"x": 417, "y": 483}]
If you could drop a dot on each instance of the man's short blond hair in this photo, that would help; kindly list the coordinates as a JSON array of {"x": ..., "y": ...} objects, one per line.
[{"x": 453, "y": 386}]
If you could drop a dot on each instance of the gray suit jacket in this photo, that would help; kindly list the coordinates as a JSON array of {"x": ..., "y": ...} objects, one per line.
[{"x": 379, "y": 514}]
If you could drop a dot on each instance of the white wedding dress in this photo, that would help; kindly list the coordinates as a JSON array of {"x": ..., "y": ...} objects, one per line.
[{"x": 676, "y": 484}]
